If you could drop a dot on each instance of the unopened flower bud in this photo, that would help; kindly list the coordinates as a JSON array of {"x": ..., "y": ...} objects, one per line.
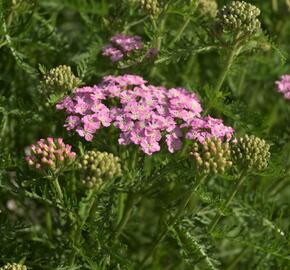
[
  {"x": 238, "y": 17},
  {"x": 59, "y": 81},
  {"x": 13, "y": 266},
  {"x": 52, "y": 157},
  {"x": 211, "y": 157},
  {"x": 251, "y": 153},
  {"x": 98, "y": 167}
]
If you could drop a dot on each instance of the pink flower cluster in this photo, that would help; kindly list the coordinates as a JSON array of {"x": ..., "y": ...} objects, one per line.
[
  {"x": 143, "y": 113},
  {"x": 284, "y": 86},
  {"x": 122, "y": 45},
  {"x": 50, "y": 154}
]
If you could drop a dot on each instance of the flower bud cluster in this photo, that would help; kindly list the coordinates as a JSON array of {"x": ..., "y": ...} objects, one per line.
[
  {"x": 13, "y": 266},
  {"x": 213, "y": 156},
  {"x": 50, "y": 154},
  {"x": 251, "y": 152},
  {"x": 98, "y": 167},
  {"x": 59, "y": 80},
  {"x": 239, "y": 17},
  {"x": 207, "y": 7},
  {"x": 151, "y": 6}
]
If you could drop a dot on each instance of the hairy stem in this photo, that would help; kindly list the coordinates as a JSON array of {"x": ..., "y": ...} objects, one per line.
[
  {"x": 218, "y": 216},
  {"x": 172, "y": 221}
]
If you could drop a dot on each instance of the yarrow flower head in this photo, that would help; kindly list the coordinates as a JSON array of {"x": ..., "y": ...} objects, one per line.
[
  {"x": 122, "y": 45},
  {"x": 284, "y": 86},
  {"x": 250, "y": 153},
  {"x": 97, "y": 167},
  {"x": 239, "y": 17},
  {"x": 13, "y": 266},
  {"x": 213, "y": 156},
  {"x": 144, "y": 114},
  {"x": 50, "y": 155}
]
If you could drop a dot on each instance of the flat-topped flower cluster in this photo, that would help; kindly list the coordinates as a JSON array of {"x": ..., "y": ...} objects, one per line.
[{"x": 144, "y": 114}]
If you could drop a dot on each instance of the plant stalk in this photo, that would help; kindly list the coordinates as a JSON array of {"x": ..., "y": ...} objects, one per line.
[
  {"x": 229, "y": 200},
  {"x": 173, "y": 220},
  {"x": 125, "y": 217},
  {"x": 84, "y": 213}
]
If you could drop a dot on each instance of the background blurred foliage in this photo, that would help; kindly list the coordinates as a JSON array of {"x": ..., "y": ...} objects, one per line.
[{"x": 73, "y": 32}]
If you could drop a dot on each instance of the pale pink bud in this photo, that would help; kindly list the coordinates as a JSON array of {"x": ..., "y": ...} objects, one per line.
[
  {"x": 50, "y": 140},
  {"x": 30, "y": 162},
  {"x": 46, "y": 148},
  {"x": 51, "y": 156},
  {"x": 33, "y": 147},
  {"x": 50, "y": 163},
  {"x": 60, "y": 141},
  {"x": 44, "y": 160},
  {"x": 51, "y": 149},
  {"x": 72, "y": 155},
  {"x": 61, "y": 158},
  {"x": 38, "y": 150},
  {"x": 38, "y": 166}
]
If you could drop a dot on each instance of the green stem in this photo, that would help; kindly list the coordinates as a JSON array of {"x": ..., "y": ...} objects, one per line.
[
  {"x": 172, "y": 221},
  {"x": 57, "y": 188},
  {"x": 180, "y": 32},
  {"x": 229, "y": 200},
  {"x": 225, "y": 71},
  {"x": 126, "y": 216},
  {"x": 84, "y": 213},
  {"x": 234, "y": 262},
  {"x": 48, "y": 221},
  {"x": 229, "y": 62}
]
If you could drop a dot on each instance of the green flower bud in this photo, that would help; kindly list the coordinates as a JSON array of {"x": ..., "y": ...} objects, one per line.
[
  {"x": 59, "y": 81},
  {"x": 150, "y": 6},
  {"x": 238, "y": 17},
  {"x": 13, "y": 266},
  {"x": 212, "y": 157},
  {"x": 207, "y": 8},
  {"x": 251, "y": 153},
  {"x": 98, "y": 167}
]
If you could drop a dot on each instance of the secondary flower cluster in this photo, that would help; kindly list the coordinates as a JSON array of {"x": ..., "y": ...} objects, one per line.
[
  {"x": 214, "y": 156},
  {"x": 50, "y": 153},
  {"x": 144, "y": 114},
  {"x": 59, "y": 80},
  {"x": 239, "y": 17},
  {"x": 13, "y": 266},
  {"x": 284, "y": 86},
  {"x": 121, "y": 45},
  {"x": 251, "y": 153},
  {"x": 97, "y": 167},
  {"x": 207, "y": 7}
]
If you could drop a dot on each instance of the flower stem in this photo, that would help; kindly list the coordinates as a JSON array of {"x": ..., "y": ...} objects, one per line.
[
  {"x": 172, "y": 221},
  {"x": 125, "y": 217},
  {"x": 57, "y": 188},
  {"x": 180, "y": 32},
  {"x": 84, "y": 213},
  {"x": 229, "y": 200},
  {"x": 225, "y": 71},
  {"x": 228, "y": 64}
]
